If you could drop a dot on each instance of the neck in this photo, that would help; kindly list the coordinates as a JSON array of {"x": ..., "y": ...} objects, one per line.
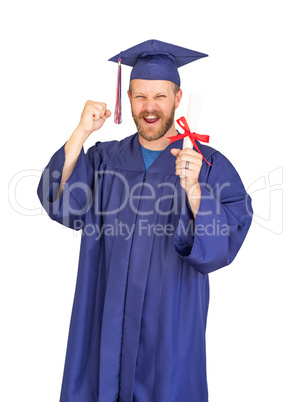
[{"x": 161, "y": 143}]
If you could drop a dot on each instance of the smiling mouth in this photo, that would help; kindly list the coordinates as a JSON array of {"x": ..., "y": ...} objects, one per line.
[{"x": 151, "y": 120}]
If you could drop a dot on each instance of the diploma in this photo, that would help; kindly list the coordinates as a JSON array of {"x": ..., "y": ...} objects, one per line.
[{"x": 194, "y": 108}]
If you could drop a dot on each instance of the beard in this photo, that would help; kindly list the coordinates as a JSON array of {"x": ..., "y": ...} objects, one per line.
[{"x": 148, "y": 134}]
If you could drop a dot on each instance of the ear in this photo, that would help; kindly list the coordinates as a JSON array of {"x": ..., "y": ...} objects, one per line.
[
  {"x": 178, "y": 98},
  {"x": 128, "y": 93}
]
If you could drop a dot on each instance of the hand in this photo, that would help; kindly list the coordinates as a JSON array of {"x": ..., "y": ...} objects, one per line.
[
  {"x": 93, "y": 117},
  {"x": 189, "y": 180}
]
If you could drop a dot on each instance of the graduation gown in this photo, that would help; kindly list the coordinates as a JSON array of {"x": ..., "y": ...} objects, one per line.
[{"x": 138, "y": 322}]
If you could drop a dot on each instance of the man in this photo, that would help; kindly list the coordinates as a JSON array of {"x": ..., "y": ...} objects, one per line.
[{"x": 155, "y": 221}]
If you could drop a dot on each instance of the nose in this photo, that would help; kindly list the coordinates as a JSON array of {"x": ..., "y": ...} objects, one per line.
[{"x": 150, "y": 105}]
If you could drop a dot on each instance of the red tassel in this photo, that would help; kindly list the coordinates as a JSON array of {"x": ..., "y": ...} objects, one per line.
[{"x": 117, "y": 114}]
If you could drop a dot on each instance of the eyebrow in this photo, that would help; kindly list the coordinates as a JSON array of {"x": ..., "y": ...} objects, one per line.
[{"x": 157, "y": 94}]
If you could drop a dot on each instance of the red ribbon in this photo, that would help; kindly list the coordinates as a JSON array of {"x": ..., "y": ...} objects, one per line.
[
  {"x": 193, "y": 136},
  {"x": 117, "y": 113}
]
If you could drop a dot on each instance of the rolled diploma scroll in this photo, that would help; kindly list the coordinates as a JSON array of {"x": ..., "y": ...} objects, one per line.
[{"x": 194, "y": 108}]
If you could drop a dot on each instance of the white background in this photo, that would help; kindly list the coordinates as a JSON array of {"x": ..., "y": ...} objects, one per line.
[{"x": 54, "y": 57}]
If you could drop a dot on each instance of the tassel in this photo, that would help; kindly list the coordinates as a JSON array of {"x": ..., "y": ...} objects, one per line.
[{"x": 117, "y": 114}]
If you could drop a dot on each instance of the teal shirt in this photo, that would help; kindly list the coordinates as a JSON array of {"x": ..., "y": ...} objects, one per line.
[{"x": 149, "y": 156}]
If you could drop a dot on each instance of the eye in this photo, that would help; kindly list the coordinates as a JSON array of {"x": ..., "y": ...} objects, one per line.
[
  {"x": 161, "y": 96},
  {"x": 140, "y": 96}
]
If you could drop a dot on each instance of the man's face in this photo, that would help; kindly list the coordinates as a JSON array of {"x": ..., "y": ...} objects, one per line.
[{"x": 153, "y": 105}]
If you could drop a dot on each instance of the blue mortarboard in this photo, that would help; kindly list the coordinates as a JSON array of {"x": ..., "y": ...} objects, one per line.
[{"x": 153, "y": 60}]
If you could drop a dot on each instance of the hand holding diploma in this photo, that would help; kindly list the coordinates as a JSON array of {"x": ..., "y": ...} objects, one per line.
[
  {"x": 189, "y": 161},
  {"x": 188, "y": 165}
]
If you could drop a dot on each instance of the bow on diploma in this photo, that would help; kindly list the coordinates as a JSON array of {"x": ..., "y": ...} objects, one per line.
[{"x": 193, "y": 136}]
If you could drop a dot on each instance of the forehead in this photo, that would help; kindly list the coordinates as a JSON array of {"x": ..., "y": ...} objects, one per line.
[{"x": 151, "y": 86}]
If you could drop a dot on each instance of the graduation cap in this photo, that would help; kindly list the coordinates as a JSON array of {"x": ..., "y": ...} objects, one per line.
[{"x": 152, "y": 60}]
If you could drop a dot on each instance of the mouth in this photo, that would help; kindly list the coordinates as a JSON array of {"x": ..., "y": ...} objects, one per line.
[{"x": 151, "y": 120}]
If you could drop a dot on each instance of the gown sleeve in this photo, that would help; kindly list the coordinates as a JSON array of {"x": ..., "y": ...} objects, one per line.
[
  {"x": 70, "y": 208},
  {"x": 221, "y": 223}
]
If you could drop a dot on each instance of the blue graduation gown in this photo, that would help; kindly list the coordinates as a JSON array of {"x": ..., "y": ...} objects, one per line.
[{"x": 138, "y": 322}]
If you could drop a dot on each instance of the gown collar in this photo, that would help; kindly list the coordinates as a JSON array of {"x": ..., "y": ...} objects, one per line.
[{"x": 165, "y": 162}]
